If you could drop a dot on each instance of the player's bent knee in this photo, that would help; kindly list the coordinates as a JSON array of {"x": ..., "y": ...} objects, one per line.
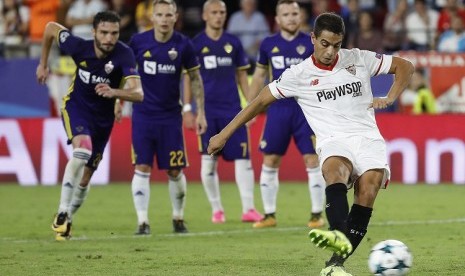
[
  {"x": 311, "y": 161},
  {"x": 85, "y": 143},
  {"x": 174, "y": 173},
  {"x": 272, "y": 160},
  {"x": 143, "y": 168}
]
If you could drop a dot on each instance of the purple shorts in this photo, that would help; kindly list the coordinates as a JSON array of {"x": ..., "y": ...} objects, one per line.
[
  {"x": 237, "y": 146},
  {"x": 77, "y": 121},
  {"x": 284, "y": 121},
  {"x": 164, "y": 141}
]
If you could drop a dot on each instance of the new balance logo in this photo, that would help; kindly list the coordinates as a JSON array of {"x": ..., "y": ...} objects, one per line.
[{"x": 314, "y": 82}]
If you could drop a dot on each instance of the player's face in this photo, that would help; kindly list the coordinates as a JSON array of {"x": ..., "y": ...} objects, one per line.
[
  {"x": 106, "y": 36},
  {"x": 214, "y": 15},
  {"x": 326, "y": 47},
  {"x": 164, "y": 18},
  {"x": 288, "y": 17}
]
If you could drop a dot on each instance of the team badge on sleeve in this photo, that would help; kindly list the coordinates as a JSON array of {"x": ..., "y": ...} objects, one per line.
[
  {"x": 378, "y": 56},
  {"x": 173, "y": 54},
  {"x": 351, "y": 69},
  {"x": 109, "y": 67},
  {"x": 63, "y": 36},
  {"x": 300, "y": 49}
]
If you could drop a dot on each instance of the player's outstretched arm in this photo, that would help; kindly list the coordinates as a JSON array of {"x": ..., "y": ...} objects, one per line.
[
  {"x": 258, "y": 80},
  {"x": 50, "y": 33},
  {"x": 258, "y": 105},
  {"x": 198, "y": 92},
  {"x": 403, "y": 71},
  {"x": 132, "y": 91}
]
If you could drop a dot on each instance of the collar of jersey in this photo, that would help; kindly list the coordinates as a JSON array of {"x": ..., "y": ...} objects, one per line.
[{"x": 324, "y": 67}]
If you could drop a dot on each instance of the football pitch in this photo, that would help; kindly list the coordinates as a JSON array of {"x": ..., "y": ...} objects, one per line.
[{"x": 430, "y": 220}]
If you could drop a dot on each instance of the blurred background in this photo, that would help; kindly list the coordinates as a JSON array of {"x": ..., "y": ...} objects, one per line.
[{"x": 424, "y": 129}]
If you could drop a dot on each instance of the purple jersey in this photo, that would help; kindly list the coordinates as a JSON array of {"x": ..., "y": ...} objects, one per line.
[
  {"x": 285, "y": 119},
  {"x": 112, "y": 69},
  {"x": 85, "y": 112},
  {"x": 219, "y": 61},
  {"x": 160, "y": 67},
  {"x": 278, "y": 54}
]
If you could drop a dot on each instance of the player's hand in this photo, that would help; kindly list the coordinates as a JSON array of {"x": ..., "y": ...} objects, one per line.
[
  {"x": 188, "y": 120},
  {"x": 104, "y": 90},
  {"x": 215, "y": 144},
  {"x": 381, "y": 103},
  {"x": 42, "y": 73},
  {"x": 118, "y": 111},
  {"x": 200, "y": 124}
]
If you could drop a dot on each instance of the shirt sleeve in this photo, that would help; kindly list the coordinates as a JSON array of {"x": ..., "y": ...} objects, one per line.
[
  {"x": 262, "y": 58},
  {"x": 69, "y": 43},
  {"x": 241, "y": 58},
  {"x": 128, "y": 65},
  {"x": 376, "y": 64},
  {"x": 285, "y": 86},
  {"x": 131, "y": 44},
  {"x": 190, "y": 59}
]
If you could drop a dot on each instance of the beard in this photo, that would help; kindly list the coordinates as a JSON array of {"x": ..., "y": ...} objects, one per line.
[
  {"x": 293, "y": 29},
  {"x": 106, "y": 49}
]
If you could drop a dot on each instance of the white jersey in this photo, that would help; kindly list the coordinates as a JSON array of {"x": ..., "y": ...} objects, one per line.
[{"x": 335, "y": 100}]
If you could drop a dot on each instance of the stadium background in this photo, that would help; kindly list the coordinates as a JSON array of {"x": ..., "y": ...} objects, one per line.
[{"x": 422, "y": 148}]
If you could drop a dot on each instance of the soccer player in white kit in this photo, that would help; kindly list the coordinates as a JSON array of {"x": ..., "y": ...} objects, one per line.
[{"x": 333, "y": 89}]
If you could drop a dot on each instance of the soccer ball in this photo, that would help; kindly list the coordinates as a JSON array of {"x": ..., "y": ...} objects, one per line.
[{"x": 390, "y": 257}]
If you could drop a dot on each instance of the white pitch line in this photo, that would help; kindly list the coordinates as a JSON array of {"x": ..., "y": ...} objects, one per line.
[{"x": 238, "y": 231}]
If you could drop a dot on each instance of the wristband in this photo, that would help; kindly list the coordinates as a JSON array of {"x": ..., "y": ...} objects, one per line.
[{"x": 186, "y": 107}]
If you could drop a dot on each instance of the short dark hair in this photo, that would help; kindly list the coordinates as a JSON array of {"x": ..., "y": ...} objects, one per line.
[
  {"x": 106, "y": 16},
  {"x": 329, "y": 21},
  {"x": 281, "y": 2}
]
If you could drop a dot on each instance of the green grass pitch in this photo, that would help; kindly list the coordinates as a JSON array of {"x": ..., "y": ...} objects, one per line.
[{"x": 429, "y": 219}]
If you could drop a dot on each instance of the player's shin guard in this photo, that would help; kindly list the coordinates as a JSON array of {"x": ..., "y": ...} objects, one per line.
[
  {"x": 140, "y": 187},
  {"x": 337, "y": 206},
  {"x": 72, "y": 176},
  {"x": 178, "y": 188},
  {"x": 357, "y": 224},
  {"x": 211, "y": 182},
  {"x": 316, "y": 186},
  {"x": 269, "y": 186},
  {"x": 245, "y": 182}
]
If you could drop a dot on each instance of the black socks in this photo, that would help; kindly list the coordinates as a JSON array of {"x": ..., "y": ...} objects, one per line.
[
  {"x": 357, "y": 224},
  {"x": 353, "y": 225},
  {"x": 337, "y": 207}
]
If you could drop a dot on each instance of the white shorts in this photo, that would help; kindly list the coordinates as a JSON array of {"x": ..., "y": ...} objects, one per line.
[{"x": 364, "y": 154}]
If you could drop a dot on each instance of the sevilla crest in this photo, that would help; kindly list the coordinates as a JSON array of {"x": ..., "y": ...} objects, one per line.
[{"x": 352, "y": 69}]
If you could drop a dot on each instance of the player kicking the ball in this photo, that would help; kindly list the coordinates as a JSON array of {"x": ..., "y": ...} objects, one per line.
[{"x": 333, "y": 89}]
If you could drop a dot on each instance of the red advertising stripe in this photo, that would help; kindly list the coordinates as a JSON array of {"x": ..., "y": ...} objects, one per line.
[{"x": 420, "y": 148}]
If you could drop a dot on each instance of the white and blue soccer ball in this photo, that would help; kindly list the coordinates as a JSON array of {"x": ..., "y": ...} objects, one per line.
[{"x": 390, "y": 258}]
